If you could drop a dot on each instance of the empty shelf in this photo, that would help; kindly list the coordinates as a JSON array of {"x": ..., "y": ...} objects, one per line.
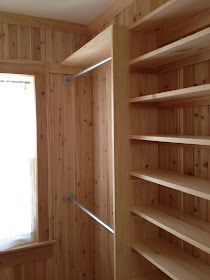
[
  {"x": 170, "y": 12},
  {"x": 184, "y": 183},
  {"x": 177, "y": 50},
  {"x": 186, "y": 140},
  {"x": 184, "y": 93},
  {"x": 94, "y": 51},
  {"x": 157, "y": 275},
  {"x": 172, "y": 261},
  {"x": 188, "y": 228}
]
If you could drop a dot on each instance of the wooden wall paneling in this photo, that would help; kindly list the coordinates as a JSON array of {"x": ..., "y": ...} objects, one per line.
[
  {"x": 72, "y": 171},
  {"x": 57, "y": 39},
  {"x": 198, "y": 74},
  {"x": 13, "y": 41},
  {"x": 169, "y": 155},
  {"x": 198, "y": 22},
  {"x": 24, "y": 42},
  {"x": 2, "y": 40},
  {"x": 29, "y": 44},
  {"x": 36, "y": 43},
  {"x": 84, "y": 177},
  {"x": 44, "y": 22}
]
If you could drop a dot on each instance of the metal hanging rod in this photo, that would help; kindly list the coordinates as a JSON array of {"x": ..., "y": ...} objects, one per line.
[
  {"x": 70, "y": 198},
  {"x": 68, "y": 79}
]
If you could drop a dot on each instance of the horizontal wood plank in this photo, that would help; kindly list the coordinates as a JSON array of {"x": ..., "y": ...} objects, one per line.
[
  {"x": 188, "y": 184},
  {"x": 186, "y": 140},
  {"x": 190, "y": 229},
  {"x": 157, "y": 275},
  {"x": 27, "y": 253},
  {"x": 178, "y": 50},
  {"x": 172, "y": 261},
  {"x": 168, "y": 13},
  {"x": 94, "y": 51},
  {"x": 179, "y": 94}
]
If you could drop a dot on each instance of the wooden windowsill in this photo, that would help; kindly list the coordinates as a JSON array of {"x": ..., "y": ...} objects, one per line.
[{"x": 27, "y": 253}]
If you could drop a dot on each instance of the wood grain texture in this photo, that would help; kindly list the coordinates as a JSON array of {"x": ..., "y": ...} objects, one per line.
[
  {"x": 176, "y": 265},
  {"x": 18, "y": 19},
  {"x": 96, "y": 50},
  {"x": 120, "y": 89},
  {"x": 103, "y": 170},
  {"x": 25, "y": 43},
  {"x": 167, "y": 14}
]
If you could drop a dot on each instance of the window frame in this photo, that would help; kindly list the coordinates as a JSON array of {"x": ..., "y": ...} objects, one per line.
[{"x": 42, "y": 145}]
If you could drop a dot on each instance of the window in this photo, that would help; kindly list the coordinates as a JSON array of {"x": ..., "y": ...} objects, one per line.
[{"x": 18, "y": 157}]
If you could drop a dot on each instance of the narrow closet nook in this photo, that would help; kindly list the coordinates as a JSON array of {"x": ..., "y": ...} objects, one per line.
[{"x": 104, "y": 64}]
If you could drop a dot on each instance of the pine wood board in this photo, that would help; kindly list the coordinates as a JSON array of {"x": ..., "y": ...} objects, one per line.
[
  {"x": 168, "y": 13},
  {"x": 178, "y": 50},
  {"x": 188, "y": 184},
  {"x": 179, "y": 94},
  {"x": 189, "y": 229},
  {"x": 187, "y": 140},
  {"x": 172, "y": 261},
  {"x": 94, "y": 51}
]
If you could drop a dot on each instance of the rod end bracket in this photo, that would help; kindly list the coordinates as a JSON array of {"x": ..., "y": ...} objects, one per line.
[
  {"x": 67, "y": 80},
  {"x": 68, "y": 197}
]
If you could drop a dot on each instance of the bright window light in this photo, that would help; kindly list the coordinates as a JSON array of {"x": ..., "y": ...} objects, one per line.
[{"x": 17, "y": 160}]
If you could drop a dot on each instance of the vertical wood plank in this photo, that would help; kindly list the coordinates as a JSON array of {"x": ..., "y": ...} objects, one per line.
[
  {"x": 36, "y": 43},
  {"x": 13, "y": 41},
  {"x": 121, "y": 135}
]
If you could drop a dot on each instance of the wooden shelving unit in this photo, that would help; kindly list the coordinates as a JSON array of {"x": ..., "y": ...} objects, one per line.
[
  {"x": 172, "y": 261},
  {"x": 181, "y": 49},
  {"x": 186, "y": 140},
  {"x": 179, "y": 94},
  {"x": 184, "y": 183},
  {"x": 170, "y": 12},
  {"x": 187, "y": 228},
  {"x": 169, "y": 138}
]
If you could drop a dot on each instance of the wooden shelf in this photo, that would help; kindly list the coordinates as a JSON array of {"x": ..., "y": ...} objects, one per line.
[
  {"x": 170, "y": 12},
  {"x": 172, "y": 261},
  {"x": 157, "y": 275},
  {"x": 179, "y": 94},
  {"x": 190, "y": 229},
  {"x": 186, "y": 140},
  {"x": 94, "y": 51},
  {"x": 184, "y": 183},
  {"x": 181, "y": 49}
]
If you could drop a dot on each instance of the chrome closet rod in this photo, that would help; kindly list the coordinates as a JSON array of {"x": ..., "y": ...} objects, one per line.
[
  {"x": 70, "y": 198},
  {"x": 90, "y": 68}
]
